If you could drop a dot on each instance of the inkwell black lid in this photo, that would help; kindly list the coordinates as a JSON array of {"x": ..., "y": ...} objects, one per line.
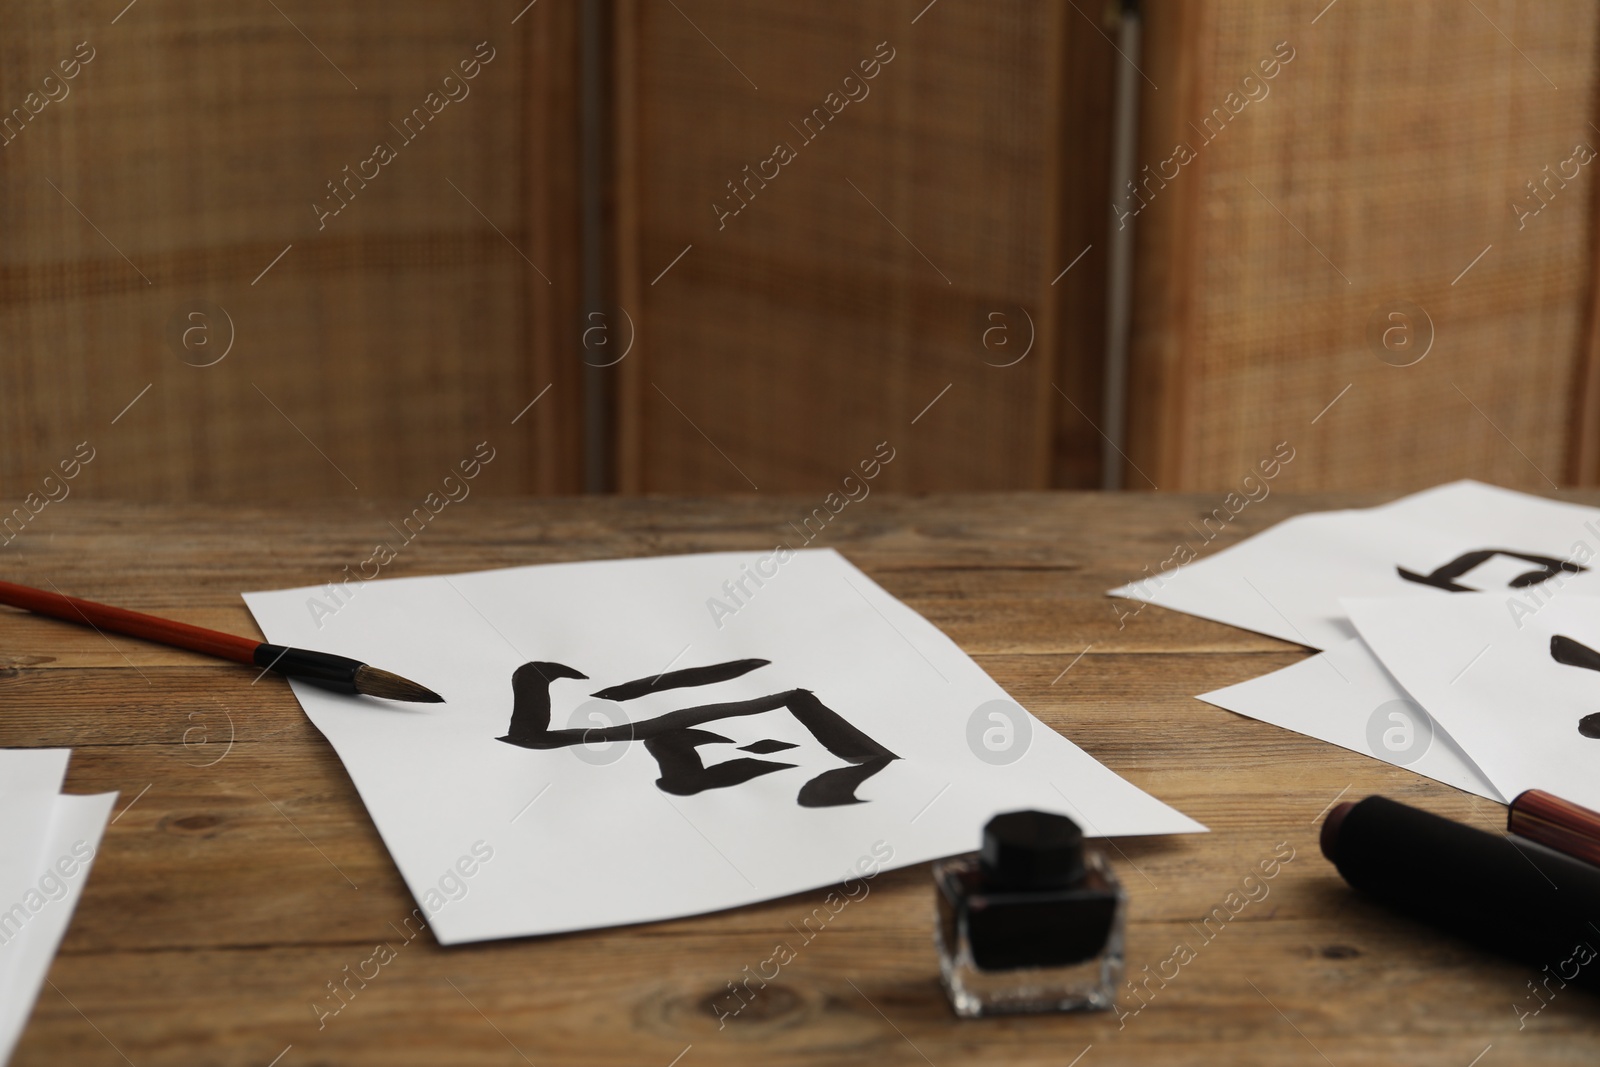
[{"x": 1031, "y": 850}]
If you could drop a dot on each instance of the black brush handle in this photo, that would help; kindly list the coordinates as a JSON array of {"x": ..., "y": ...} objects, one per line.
[
  {"x": 1509, "y": 895},
  {"x": 320, "y": 668}
]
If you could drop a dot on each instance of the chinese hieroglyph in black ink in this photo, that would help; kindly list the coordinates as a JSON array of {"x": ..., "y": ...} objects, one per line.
[
  {"x": 1562, "y": 649},
  {"x": 1445, "y": 577},
  {"x": 1577, "y": 654},
  {"x": 674, "y": 739}
]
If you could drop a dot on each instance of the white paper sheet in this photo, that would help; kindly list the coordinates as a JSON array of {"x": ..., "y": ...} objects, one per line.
[
  {"x": 30, "y": 781},
  {"x": 1286, "y": 582},
  {"x": 33, "y": 770},
  {"x": 1345, "y": 696},
  {"x": 34, "y": 919},
  {"x": 1482, "y": 664},
  {"x": 570, "y": 838}
]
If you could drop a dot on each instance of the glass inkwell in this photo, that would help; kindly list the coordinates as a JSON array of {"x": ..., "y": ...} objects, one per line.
[{"x": 1032, "y": 922}]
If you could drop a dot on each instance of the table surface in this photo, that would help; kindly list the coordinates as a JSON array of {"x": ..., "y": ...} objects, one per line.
[{"x": 241, "y": 874}]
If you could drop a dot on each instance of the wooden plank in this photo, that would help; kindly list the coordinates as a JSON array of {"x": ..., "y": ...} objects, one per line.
[
  {"x": 553, "y": 321},
  {"x": 1082, "y": 147},
  {"x": 242, "y": 873},
  {"x": 1366, "y": 990},
  {"x": 1167, "y": 249},
  {"x": 1045, "y": 595},
  {"x": 1583, "y": 460},
  {"x": 628, "y": 384}
]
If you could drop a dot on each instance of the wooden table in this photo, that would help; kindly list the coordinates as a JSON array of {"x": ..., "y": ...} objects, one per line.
[{"x": 241, "y": 873}]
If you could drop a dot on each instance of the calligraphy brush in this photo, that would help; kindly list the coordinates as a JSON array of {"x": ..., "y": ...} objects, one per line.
[{"x": 338, "y": 673}]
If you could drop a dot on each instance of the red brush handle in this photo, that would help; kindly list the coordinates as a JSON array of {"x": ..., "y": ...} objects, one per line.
[
  {"x": 132, "y": 623},
  {"x": 1560, "y": 824}
]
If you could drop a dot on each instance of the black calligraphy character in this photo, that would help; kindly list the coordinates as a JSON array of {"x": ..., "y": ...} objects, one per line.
[
  {"x": 1577, "y": 654},
  {"x": 1445, "y": 577},
  {"x": 674, "y": 739}
]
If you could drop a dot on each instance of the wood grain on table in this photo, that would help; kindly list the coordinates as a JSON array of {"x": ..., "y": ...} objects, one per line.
[{"x": 241, "y": 874}]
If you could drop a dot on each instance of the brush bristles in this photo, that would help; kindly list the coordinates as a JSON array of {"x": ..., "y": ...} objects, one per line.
[{"x": 376, "y": 683}]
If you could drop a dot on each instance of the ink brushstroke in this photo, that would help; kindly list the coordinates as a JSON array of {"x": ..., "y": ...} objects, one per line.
[
  {"x": 674, "y": 739},
  {"x": 1566, "y": 651}
]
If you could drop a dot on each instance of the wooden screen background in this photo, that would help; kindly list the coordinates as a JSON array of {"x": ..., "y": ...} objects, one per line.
[
  {"x": 1378, "y": 170},
  {"x": 880, "y": 288},
  {"x": 904, "y": 257},
  {"x": 391, "y": 340}
]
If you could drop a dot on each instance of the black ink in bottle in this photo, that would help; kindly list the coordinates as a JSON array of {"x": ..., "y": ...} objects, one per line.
[{"x": 1032, "y": 922}]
